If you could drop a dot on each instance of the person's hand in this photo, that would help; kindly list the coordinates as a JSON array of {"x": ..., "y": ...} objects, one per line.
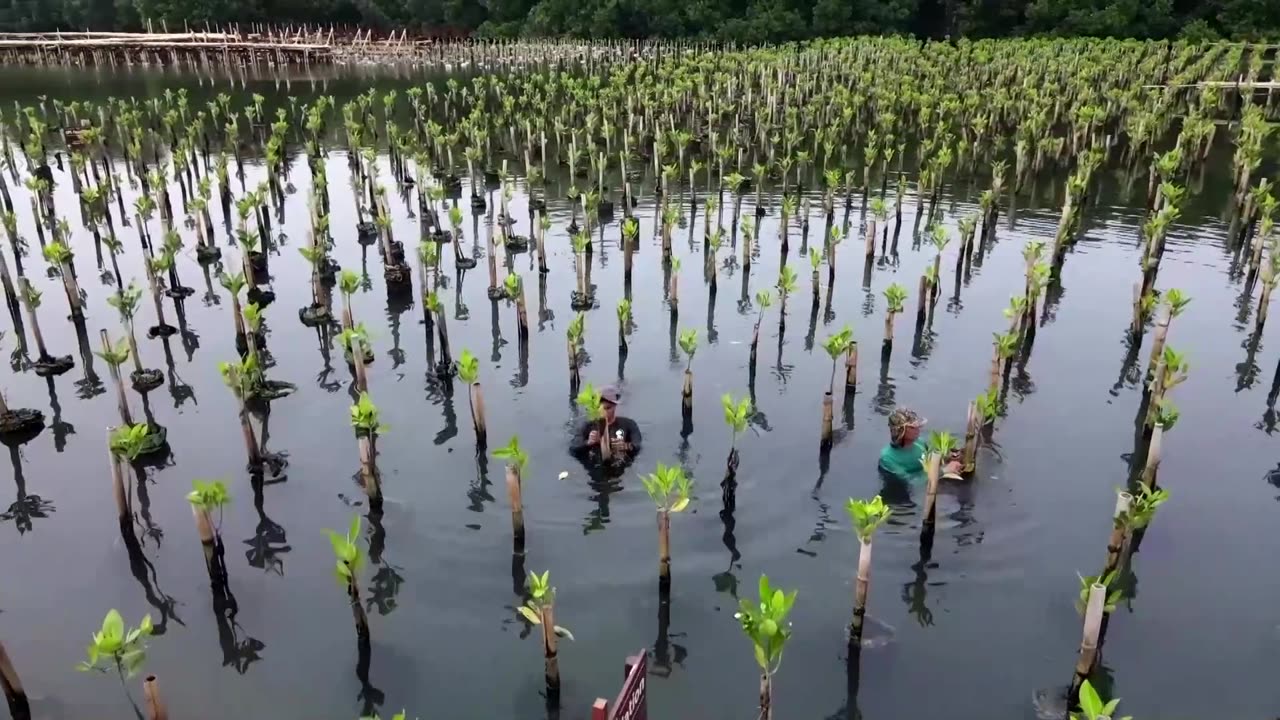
[
  {"x": 955, "y": 467},
  {"x": 593, "y": 438}
]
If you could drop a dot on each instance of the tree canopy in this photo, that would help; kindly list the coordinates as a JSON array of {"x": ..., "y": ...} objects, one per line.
[{"x": 744, "y": 21}]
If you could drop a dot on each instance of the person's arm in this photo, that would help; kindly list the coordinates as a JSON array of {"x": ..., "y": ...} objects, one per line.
[{"x": 581, "y": 440}]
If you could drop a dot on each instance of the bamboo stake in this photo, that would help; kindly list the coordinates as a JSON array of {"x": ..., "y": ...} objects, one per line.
[
  {"x": 117, "y": 484},
  {"x": 664, "y": 552},
  {"x": 550, "y": 653},
  {"x": 1119, "y": 533},
  {"x": 827, "y": 416},
  {"x": 861, "y": 585},
  {"x": 477, "y": 414},
  {"x": 1093, "y": 615},
  {"x": 156, "y": 709},
  {"x": 517, "y": 504},
  {"x": 933, "y": 471},
  {"x": 971, "y": 438}
]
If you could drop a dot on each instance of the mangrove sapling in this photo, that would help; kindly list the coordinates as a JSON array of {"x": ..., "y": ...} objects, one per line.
[
  {"x": 115, "y": 356},
  {"x": 513, "y": 285},
  {"x": 866, "y": 516},
  {"x": 59, "y": 256},
  {"x": 116, "y": 647},
  {"x": 815, "y": 260},
  {"x": 581, "y": 299},
  {"x": 318, "y": 313},
  {"x": 125, "y": 301},
  {"x": 1173, "y": 301},
  {"x": 540, "y": 610},
  {"x": 517, "y": 461},
  {"x": 763, "y": 301},
  {"x": 469, "y": 373},
  {"x": 364, "y": 419},
  {"x": 590, "y": 399},
  {"x": 895, "y": 295},
  {"x": 1005, "y": 345},
  {"x": 736, "y": 415},
  {"x": 1171, "y": 371},
  {"x": 45, "y": 365},
  {"x": 879, "y": 213},
  {"x": 1092, "y": 707},
  {"x": 940, "y": 447},
  {"x": 155, "y": 266},
  {"x": 940, "y": 239},
  {"x": 349, "y": 560},
  {"x": 243, "y": 378},
  {"x": 669, "y": 489},
  {"x": 463, "y": 262},
  {"x": 836, "y": 346},
  {"x": 766, "y": 624},
  {"x": 205, "y": 498},
  {"x": 688, "y": 345},
  {"x": 445, "y": 368},
  {"x": 574, "y": 336},
  {"x": 624, "y": 324},
  {"x": 630, "y": 233},
  {"x": 14, "y": 694}
]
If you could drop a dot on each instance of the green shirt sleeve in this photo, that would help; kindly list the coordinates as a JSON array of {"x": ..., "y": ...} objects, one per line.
[{"x": 903, "y": 462}]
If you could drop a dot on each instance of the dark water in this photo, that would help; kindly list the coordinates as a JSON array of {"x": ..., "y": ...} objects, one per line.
[{"x": 980, "y": 626}]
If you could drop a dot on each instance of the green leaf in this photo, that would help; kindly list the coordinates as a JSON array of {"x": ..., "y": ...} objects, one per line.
[
  {"x": 132, "y": 661},
  {"x": 113, "y": 625},
  {"x": 1090, "y": 703},
  {"x": 680, "y": 505},
  {"x": 761, "y": 660},
  {"x": 529, "y": 615}
]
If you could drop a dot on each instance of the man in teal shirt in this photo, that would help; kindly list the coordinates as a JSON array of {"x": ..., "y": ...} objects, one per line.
[{"x": 901, "y": 457}]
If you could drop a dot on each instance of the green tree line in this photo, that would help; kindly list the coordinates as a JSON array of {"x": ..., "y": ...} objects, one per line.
[{"x": 741, "y": 20}]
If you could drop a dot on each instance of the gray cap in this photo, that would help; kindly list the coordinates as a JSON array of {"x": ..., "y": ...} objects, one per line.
[{"x": 610, "y": 394}]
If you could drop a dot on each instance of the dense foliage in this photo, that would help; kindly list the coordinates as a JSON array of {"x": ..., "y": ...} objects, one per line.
[{"x": 740, "y": 20}]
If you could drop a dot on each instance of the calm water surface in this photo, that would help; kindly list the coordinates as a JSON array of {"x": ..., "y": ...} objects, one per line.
[{"x": 983, "y": 623}]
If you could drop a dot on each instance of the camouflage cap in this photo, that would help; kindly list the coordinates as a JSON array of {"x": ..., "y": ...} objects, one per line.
[{"x": 903, "y": 418}]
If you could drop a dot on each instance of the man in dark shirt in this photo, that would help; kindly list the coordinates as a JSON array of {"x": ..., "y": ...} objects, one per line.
[{"x": 623, "y": 434}]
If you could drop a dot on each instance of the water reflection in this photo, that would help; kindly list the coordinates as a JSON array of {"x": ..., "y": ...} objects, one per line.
[
  {"x": 26, "y": 507},
  {"x": 269, "y": 542}
]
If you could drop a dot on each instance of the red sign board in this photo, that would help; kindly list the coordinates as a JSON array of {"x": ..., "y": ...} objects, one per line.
[{"x": 632, "y": 700}]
